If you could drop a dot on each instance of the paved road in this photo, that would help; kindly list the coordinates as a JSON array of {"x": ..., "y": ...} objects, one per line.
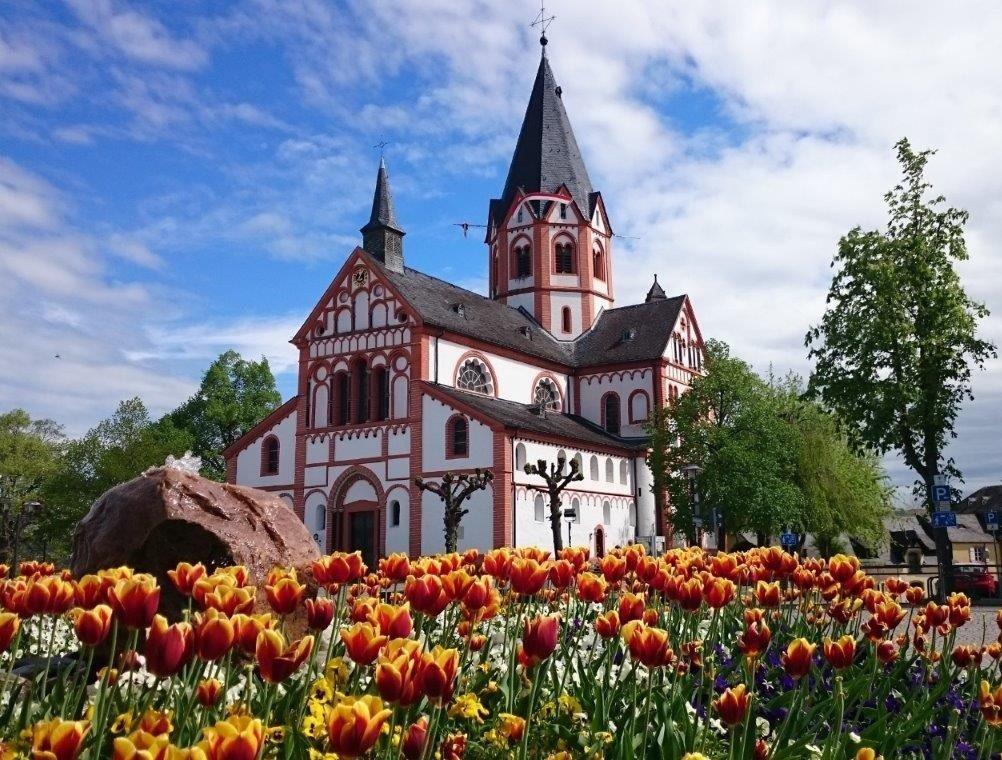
[{"x": 982, "y": 624}]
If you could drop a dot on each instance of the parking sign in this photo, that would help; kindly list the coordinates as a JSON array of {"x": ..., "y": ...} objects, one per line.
[{"x": 941, "y": 494}]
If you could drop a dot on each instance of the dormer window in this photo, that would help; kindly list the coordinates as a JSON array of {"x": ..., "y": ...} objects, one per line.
[{"x": 563, "y": 210}]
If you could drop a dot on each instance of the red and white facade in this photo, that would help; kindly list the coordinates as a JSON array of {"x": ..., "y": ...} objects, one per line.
[{"x": 394, "y": 386}]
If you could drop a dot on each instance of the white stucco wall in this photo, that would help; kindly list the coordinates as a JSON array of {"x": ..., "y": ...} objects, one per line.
[
  {"x": 435, "y": 414},
  {"x": 476, "y": 530},
  {"x": 594, "y": 387},
  {"x": 249, "y": 460}
]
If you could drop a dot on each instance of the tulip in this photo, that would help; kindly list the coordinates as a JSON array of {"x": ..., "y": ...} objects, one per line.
[
  {"x": 246, "y": 629},
  {"x": 427, "y": 595},
  {"x": 48, "y": 595},
  {"x": 362, "y": 642},
  {"x": 168, "y": 647},
  {"x": 755, "y": 640},
  {"x": 90, "y": 591},
  {"x": 842, "y": 568},
  {"x": 607, "y": 624},
  {"x": 767, "y": 594},
  {"x": 338, "y": 568},
  {"x": 562, "y": 573},
  {"x": 135, "y": 600},
  {"x": 185, "y": 576},
  {"x": 93, "y": 626},
  {"x": 479, "y": 594},
  {"x": 208, "y": 691},
  {"x": 393, "y": 622},
  {"x": 841, "y": 653},
  {"x": 218, "y": 593},
  {"x": 284, "y": 592},
  {"x": 239, "y": 737},
  {"x": 10, "y": 624},
  {"x": 914, "y": 595},
  {"x": 631, "y": 607},
  {"x": 887, "y": 652},
  {"x": 798, "y": 658},
  {"x": 613, "y": 568},
  {"x": 990, "y": 702},
  {"x": 591, "y": 587},
  {"x": 732, "y": 705},
  {"x": 414, "y": 739},
  {"x": 457, "y": 583},
  {"x": 647, "y": 645},
  {"x": 141, "y": 745},
  {"x": 355, "y": 724},
  {"x": 277, "y": 661},
  {"x": 512, "y": 727},
  {"x": 527, "y": 576},
  {"x": 689, "y": 594},
  {"x": 965, "y": 656},
  {"x": 395, "y": 568},
  {"x": 58, "y": 739},
  {"x": 497, "y": 563},
  {"x": 239, "y": 575},
  {"x": 539, "y": 638},
  {"x": 319, "y": 613},
  {"x": 214, "y": 635},
  {"x": 719, "y": 593},
  {"x": 437, "y": 675},
  {"x": 397, "y": 670}
]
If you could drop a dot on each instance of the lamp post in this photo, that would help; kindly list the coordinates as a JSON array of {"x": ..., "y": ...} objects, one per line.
[
  {"x": 691, "y": 471},
  {"x": 570, "y": 515}
]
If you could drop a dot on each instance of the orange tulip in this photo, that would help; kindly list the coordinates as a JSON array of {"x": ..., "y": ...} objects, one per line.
[
  {"x": 208, "y": 692},
  {"x": 914, "y": 595},
  {"x": 48, "y": 595},
  {"x": 277, "y": 661},
  {"x": 755, "y": 640},
  {"x": 527, "y": 576},
  {"x": 479, "y": 594},
  {"x": 392, "y": 621},
  {"x": 591, "y": 587},
  {"x": 539, "y": 638},
  {"x": 631, "y": 607},
  {"x": 214, "y": 635},
  {"x": 395, "y": 568},
  {"x": 239, "y": 575},
  {"x": 284, "y": 592},
  {"x": 10, "y": 624},
  {"x": 427, "y": 595},
  {"x": 414, "y": 739},
  {"x": 168, "y": 647},
  {"x": 719, "y": 592},
  {"x": 355, "y": 724},
  {"x": 185, "y": 576},
  {"x": 990, "y": 702},
  {"x": 798, "y": 658},
  {"x": 607, "y": 624},
  {"x": 236, "y": 738},
  {"x": 965, "y": 655},
  {"x": 91, "y": 590},
  {"x": 562, "y": 573},
  {"x": 887, "y": 652},
  {"x": 396, "y": 672},
  {"x": 219, "y": 593},
  {"x": 339, "y": 568},
  {"x": 58, "y": 739},
  {"x": 93, "y": 626},
  {"x": 732, "y": 705},
  {"x": 512, "y": 727},
  {"x": 613, "y": 568},
  {"x": 842, "y": 568},
  {"x": 135, "y": 600},
  {"x": 457, "y": 583},
  {"x": 497, "y": 563},
  {"x": 689, "y": 594},
  {"x": 319, "y": 613},
  {"x": 436, "y": 677},
  {"x": 362, "y": 642},
  {"x": 647, "y": 645},
  {"x": 246, "y": 629},
  {"x": 841, "y": 653},
  {"x": 141, "y": 745},
  {"x": 767, "y": 594}
]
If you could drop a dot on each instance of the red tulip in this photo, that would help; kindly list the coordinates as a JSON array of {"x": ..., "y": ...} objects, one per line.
[
  {"x": 168, "y": 647},
  {"x": 539, "y": 638}
]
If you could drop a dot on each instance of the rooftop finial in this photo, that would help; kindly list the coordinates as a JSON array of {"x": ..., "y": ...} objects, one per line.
[
  {"x": 543, "y": 22},
  {"x": 381, "y": 145}
]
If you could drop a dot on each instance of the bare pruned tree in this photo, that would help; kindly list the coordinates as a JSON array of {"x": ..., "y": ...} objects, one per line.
[
  {"x": 454, "y": 489},
  {"x": 557, "y": 476}
]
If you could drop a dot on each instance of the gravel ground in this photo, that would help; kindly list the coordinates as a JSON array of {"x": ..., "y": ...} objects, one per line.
[{"x": 981, "y": 625}]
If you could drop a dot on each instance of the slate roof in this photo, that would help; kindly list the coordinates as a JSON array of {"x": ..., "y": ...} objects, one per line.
[
  {"x": 986, "y": 499},
  {"x": 628, "y": 334},
  {"x": 546, "y": 154},
  {"x": 383, "y": 213},
  {"x": 524, "y": 417}
]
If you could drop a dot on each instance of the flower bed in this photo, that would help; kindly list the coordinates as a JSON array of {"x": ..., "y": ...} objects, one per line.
[{"x": 510, "y": 654}]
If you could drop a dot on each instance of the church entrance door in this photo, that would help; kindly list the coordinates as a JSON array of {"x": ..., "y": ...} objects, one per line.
[{"x": 360, "y": 530}]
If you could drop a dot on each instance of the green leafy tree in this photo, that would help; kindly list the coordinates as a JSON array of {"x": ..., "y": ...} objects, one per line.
[
  {"x": 29, "y": 455},
  {"x": 112, "y": 452},
  {"x": 898, "y": 340},
  {"x": 234, "y": 396}
]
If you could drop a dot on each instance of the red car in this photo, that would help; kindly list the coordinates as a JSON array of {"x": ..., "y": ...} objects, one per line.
[{"x": 974, "y": 580}]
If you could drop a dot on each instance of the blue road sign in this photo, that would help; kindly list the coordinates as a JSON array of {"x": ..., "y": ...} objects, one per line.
[
  {"x": 788, "y": 539},
  {"x": 992, "y": 520},
  {"x": 940, "y": 493},
  {"x": 944, "y": 519}
]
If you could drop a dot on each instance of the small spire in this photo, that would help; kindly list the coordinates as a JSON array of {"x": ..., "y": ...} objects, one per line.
[
  {"x": 656, "y": 293},
  {"x": 382, "y": 236}
]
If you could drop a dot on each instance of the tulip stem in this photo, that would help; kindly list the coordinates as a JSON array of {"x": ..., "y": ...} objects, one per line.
[
  {"x": 536, "y": 678},
  {"x": 647, "y": 711}
]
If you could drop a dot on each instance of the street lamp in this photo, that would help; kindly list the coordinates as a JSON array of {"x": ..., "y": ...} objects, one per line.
[{"x": 570, "y": 515}]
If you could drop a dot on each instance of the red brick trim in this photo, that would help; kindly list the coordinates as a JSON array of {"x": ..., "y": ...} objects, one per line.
[
  {"x": 336, "y": 507},
  {"x": 504, "y": 501},
  {"x": 419, "y": 369},
  {"x": 259, "y": 429},
  {"x": 265, "y": 468},
  {"x": 487, "y": 363}
]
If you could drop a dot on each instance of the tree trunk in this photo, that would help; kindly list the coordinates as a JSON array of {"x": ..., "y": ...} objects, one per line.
[
  {"x": 558, "y": 540},
  {"x": 451, "y": 527}
]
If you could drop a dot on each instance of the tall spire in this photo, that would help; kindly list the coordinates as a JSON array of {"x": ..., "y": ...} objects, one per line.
[
  {"x": 382, "y": 236},
  {"x": 547, "y": 154}
]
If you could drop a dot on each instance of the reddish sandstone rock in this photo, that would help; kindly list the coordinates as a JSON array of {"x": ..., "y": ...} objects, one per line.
[{"x": 168, "y": 515}]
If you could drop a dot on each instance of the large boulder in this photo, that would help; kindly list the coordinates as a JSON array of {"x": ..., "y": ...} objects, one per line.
[{"x": 169, "y": 514}]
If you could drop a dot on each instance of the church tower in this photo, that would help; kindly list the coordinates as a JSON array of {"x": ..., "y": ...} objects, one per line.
[
  {"x": 382, "y": 236},
  {"x": 548, "y": 235}
]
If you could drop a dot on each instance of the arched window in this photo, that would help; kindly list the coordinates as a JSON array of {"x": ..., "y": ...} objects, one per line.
[
  {"x": 639, "y": 406},
  {"x": 522, "y": 264},
  {"x": 633, "y": 515},
  {"x": 563, "y": 210},
  {"x": 565, "y": 319},
  {"x": 576, "y": 506},
  {"x": 606, "y": 513},
  {"x": 564, "y": 258},
  {"x": 610, "y": 471},
  {"x": 539, "y": 508},
  {"x": 580, "y": 462},
  {"x": 269, "y": 455},
  {"x": 457, "y": 436},
  {"x": 520, "y": 457},
  {"x": 598, "y": 261},
  {"x": 474, "y": 376},
  {"x": 360, "y": 390},
  {"x": 624, "y": 472},
  {"x": 546, "y": 393},
  {"x": 610, "y": 413},
  {"x": 394, "y": 513},
  {"x": 381, "y": 391},
  {"x": 593, "y": 467}
]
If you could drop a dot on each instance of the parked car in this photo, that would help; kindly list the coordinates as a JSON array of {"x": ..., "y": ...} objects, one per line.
[{"x": 975, "y": 580}]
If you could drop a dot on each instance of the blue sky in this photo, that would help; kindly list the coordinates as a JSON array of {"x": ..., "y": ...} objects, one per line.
[{"x": 181, "y": 178}]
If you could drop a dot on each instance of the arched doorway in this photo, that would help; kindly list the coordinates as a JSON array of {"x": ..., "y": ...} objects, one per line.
[
  {"x": 356, "y": 518},
  {"x": 599, "y": 541}
]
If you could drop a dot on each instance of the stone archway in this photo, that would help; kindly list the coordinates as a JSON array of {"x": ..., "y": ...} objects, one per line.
[
  {"x": 599, "y": 541},
  {"x": 356, "y": 515}
]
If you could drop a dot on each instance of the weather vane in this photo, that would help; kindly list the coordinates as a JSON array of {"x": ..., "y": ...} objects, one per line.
[
  {"x": 381, "y": 145},
  {"x": 543, "y": 22}
]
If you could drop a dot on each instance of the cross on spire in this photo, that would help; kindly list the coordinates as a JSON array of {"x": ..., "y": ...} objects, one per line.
[
  {"x": 381, "y": 145},
  {"x": 543, "y": 22}
]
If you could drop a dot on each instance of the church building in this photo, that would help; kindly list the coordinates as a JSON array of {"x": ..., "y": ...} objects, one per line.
[{"x": 404, "y": 375}]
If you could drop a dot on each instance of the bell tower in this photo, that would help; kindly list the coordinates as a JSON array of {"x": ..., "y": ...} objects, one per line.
[{"x": 548, "y": 236}]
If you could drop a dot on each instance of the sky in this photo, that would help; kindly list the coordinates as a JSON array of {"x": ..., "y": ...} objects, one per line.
[{"x": 181, "y": 178}]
